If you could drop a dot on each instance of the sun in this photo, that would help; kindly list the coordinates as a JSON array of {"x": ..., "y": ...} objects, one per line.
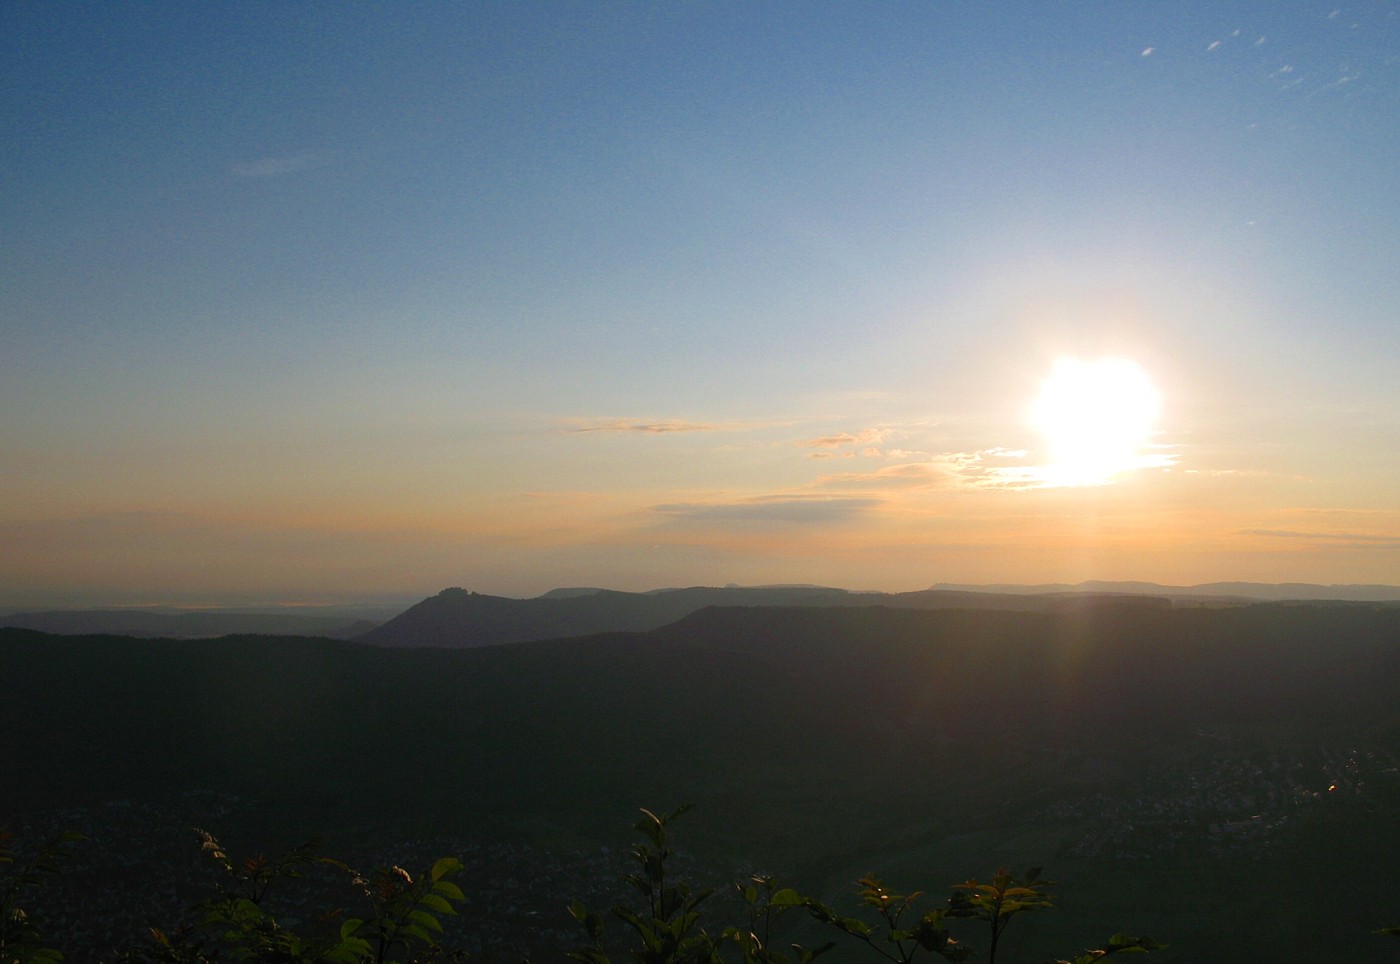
[{"x": 1098, "y": 418}]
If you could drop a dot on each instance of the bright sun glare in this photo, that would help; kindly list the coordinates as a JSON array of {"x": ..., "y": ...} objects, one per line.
[{"x": 1098, "y": 418}]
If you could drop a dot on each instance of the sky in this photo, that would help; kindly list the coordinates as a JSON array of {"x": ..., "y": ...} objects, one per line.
[{"x": 318, "y": 302}]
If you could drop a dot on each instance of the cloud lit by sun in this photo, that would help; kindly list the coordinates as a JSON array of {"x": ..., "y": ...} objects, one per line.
[{"x": 1099, "y": 420}]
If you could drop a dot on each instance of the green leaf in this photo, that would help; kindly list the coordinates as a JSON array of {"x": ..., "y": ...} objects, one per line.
[
  {"x": 787, "y": 897},
  {"x": 1133, "y": 945},
  {"x": 426, "y": 919},
  {"x": 434, "y": 902},
  {"x": 415, "y": 930},
  {"x": 449, "y": 890},
  {"x": 444, "y": 867},
  {"x": 853, "y": 926},
  {"x": 353, "y": 951},
  {"x": 651, "y": 825},
  {"x": 589, "y": 955}
]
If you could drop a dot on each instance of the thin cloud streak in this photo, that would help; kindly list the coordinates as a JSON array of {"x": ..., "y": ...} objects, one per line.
[
  {"x": 869, "y": 436},
  {"x": 970, "y": 470},
  {"x": 1363, "y": 538},
  {"x": 993, "y": 468},
  {"x": 780, "y": 510},
  {"x": 910, "y": 475},
  {"x": 657, "y": 426}
]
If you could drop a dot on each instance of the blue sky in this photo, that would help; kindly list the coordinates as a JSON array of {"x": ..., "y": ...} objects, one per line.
[{"x": 313, "y": 301}]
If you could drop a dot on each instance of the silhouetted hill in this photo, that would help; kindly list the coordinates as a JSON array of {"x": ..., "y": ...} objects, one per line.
[
  {"x": 186, "y": 625},
  {"x": 310, "y": 714},
  {"x": 456, "y": 618},
  {"x": 1120, "y": 661},
  {"x": 1205, "y": 775}
]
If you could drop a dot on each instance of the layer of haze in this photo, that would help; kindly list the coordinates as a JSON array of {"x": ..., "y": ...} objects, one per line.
[{"x": 313, "y": 302}]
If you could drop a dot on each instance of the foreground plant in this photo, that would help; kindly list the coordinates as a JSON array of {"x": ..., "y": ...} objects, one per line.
[
  {"x": 894, "y": 927},
  {"x": 401, "y": 918},
  {"x": 669, "y": 926},
  {"x": 401, "y": 923},
  {"x": 765, "y": 902},
  {"x": 21, "y": 937},
  {"x": 894, "y": 935}
]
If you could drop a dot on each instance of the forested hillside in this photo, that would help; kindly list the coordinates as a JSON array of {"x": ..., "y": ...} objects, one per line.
[{"x": 1216, "y": 778}]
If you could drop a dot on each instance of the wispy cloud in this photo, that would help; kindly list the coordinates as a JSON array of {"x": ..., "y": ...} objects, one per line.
[
  {"x": 280, "y": 165},
  {"x": 664, "y": 426},
  {"x": 910, "y": 475},
  {"x": 987, "y": 468},
  {"x": 993, "y": 468},
  {"x": 1334, "y": 513},
  {"x": 778, "y": 509},
  {"x": 1336, "y": 538},
  {"x": 869, "y": 436},
  {"x": 998, "y": 468},
  {"x": 1054, "y": 476}
]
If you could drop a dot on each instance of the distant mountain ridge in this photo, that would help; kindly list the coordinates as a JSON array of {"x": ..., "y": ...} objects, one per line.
[
  {"x": 1272, "y": 592},
  {"x": 456, "y": 618}
]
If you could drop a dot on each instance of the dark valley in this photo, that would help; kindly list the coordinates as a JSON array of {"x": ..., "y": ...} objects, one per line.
[{"x": 1222, "y": 778}]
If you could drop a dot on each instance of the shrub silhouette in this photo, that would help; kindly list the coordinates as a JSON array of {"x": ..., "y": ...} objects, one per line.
[
  {"x": 668, "y": 926},
  {"x": 400, "y": 917},
  {"x": 21, "y": 937}
]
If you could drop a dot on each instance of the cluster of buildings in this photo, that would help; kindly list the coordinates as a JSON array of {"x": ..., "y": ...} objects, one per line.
[{"x": 1225, "y": 801}]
